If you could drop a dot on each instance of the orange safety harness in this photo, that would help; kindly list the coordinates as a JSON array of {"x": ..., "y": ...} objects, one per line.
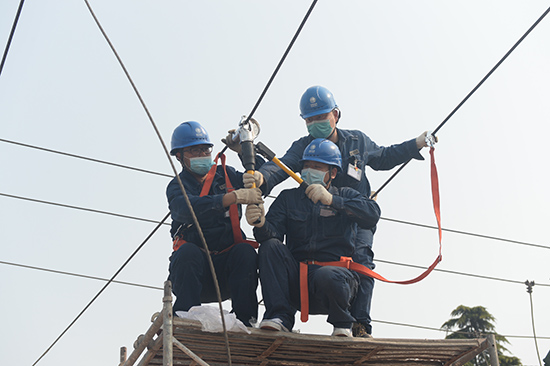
[
  {"x": 348, "y": 263},
  {"x": 233, "y": 210}
]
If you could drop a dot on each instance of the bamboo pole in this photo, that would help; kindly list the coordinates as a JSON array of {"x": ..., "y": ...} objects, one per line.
[
  {"x": 189, "y": 353},
  {"x": 167, "y": 331}
]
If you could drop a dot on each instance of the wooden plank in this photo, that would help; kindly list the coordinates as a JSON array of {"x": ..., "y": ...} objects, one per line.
[
  {"x": 268, "y": 348},
  {"x": 271, "y": 348}
]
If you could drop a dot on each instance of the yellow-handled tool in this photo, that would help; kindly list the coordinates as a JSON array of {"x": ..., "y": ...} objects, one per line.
[{"x": 270, "y": 155}]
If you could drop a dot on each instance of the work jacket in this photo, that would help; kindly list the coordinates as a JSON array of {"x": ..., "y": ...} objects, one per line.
[
  {"x": 212, "y": 216},
  {"x": 316, "y": 231},
  {"x": 357, "y": 150}
]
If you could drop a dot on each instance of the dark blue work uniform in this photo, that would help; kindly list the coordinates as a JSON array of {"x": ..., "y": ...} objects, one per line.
[
  {"x": 358, "y": 151},
  {"x": 313, "y": 232},
  {"x": 236, "y": 269}
]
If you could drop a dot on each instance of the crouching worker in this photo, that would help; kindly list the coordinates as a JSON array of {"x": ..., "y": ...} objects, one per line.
[
  {"x": 320, "y": 223},
  {"x": 217, "y": 207}
]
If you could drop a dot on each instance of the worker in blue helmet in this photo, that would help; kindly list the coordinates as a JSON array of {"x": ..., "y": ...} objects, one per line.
[
  {"x": 235, "y": 260},
  {"x": 321, "y": 114},
  {"x": 319, "y": 223}
]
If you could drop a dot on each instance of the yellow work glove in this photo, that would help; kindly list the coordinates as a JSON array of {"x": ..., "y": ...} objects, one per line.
[
  {"x": 246, "y": 196},
  {"x": 255, "y": 215},
  {"x": 317, "y": 192},
  {"x": 249, "y": 179}
]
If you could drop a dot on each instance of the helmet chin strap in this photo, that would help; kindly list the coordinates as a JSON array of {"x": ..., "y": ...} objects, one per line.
[
  {"x": 179, "y": 157},
  {"x": 327, "y": 184},
  {"x": 332, "y": 133},
  {"x": 337, "y": 120}
]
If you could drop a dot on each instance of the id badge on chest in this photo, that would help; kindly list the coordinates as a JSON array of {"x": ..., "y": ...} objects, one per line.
[{"x": 354, "y": 172}]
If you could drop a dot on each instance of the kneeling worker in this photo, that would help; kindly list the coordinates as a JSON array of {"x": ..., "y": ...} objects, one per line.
[
  {"x": 235, "y": 260},
  {"x": 319, "y": 223}
]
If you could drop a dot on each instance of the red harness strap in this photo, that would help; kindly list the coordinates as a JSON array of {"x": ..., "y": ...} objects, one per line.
[
  {"x": 233, "y": 210},
  {"x": 348, "y": 263}
]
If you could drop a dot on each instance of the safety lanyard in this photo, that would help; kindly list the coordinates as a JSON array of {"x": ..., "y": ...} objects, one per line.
[
  {"x": 348, "y": 263},
  {"x": 233, "y": 210}
]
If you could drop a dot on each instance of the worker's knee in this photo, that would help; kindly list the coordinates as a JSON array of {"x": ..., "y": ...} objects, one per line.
[
  {"x": 336, "y": 280},
  {"x": 271, "y": 248}
]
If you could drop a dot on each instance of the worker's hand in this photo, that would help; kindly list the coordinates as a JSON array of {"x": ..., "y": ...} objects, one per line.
[
  {"x": 255, "y": 215},
  {"x": 421, "y": 140},
  {"x": 250, "y": 179},
  {"x": 317, "y": 192},
  {"x": 233, "y": 145},
  {"x": 247, "y": 196}
]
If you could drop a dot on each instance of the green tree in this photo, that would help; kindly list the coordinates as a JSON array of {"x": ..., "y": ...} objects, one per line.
[{"x": 477, "y": 322}]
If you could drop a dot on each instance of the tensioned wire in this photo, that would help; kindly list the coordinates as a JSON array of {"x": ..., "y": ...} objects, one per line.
[
  {"x": 270, "y": 196},
  {"x": 469, "y": 95},
  {"x": 12, "y": 32},
  {"x": 159, "y": 288},
  {"x": 461, "y": 232}
]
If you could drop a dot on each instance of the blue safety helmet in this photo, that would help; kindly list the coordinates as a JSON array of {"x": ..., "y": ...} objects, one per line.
[
  {"x": 189, "y": 134},
  {"x": 323, "y": 151},
  {"x": 316, "y": 100}
]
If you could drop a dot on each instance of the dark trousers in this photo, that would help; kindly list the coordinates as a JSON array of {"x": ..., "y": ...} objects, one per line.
[
  {"x": 237, "y": 273},
  {"x": 364, "y": 255},
  {"x": 331, "y": 289}
]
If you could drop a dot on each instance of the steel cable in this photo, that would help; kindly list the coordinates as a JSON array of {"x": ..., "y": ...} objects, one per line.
[{"x": 186, "y": 198}]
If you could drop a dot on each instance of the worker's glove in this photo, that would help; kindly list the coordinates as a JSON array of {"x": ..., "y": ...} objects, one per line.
[
  {"x": 250, "y": 179},
  {"x": 422, "y": 140},
  {"x": 247, "y": 196},
  {"x": 233, "y": 145},
  {"x": 236, "y": 145},
  {"x": 317, "y": 192},
  {"x": 255, "y": 215}
]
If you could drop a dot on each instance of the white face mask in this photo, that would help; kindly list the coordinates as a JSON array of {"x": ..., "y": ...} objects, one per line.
[{"x": 313, "y": 176}]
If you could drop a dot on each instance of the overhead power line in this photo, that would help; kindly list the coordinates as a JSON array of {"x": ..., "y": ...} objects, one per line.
[
  {"x": 382, "y": 218},
  {"x": 377, "y": 260},
  {"x": 85, "y": 158},
  {"x": 81, "y": 208},
  {"x": 458, "y": 273},
  {"x": 443, "y": 330},
  {"x": 160, "y": 289},
  {"x": 12, "y": 32},
  {"x": 80, "y": 275},
  {"x": 170, "y": 176},
  {"x": 467, "y": 233}
]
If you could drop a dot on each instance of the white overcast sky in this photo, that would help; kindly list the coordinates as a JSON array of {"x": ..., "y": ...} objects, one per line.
[{"x": 396, "y": 68}]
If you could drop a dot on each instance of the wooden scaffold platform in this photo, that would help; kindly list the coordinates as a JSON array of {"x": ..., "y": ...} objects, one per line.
[{"x": 175, "y": 341}]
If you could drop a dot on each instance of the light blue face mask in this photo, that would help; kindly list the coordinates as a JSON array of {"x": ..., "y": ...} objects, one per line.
[
  {"x": 314, "y": 176},
  {"x": 320, "y": 129},
  {"x": 200, "y": 165}
]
